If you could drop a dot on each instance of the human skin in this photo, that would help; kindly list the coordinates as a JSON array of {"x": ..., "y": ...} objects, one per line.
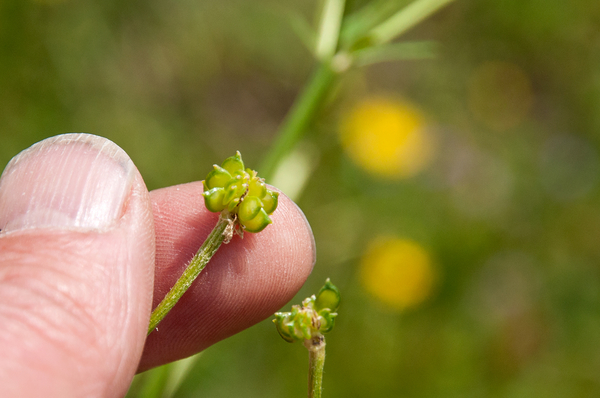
[{"x": 86, "y": 252}]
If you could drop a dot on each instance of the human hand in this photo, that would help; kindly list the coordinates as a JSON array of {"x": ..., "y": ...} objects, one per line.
[{"x": 86, "y": 252}]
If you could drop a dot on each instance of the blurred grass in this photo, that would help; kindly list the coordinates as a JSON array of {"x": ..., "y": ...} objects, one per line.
[{"x": 508, "y": 210}]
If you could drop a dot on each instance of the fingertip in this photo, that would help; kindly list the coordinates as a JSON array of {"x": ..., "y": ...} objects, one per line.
[
  {"x": 290, "y": 244},
  {"x": 245, "y": 282}
]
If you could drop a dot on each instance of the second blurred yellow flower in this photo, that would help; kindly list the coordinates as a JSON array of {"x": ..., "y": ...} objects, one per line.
[{"x": 398, "y": 272}]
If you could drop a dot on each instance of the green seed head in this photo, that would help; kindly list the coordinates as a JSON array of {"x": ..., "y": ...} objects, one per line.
[
  {"x": 240, "y": 191},
  {"x": 315, "y": 317}
]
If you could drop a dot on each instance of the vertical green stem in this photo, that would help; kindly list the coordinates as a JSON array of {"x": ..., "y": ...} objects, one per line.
[
  {"x": 197, "y": 264},
  {"x": 299, "y": 117},
  {"x": 316, "y": 362}
]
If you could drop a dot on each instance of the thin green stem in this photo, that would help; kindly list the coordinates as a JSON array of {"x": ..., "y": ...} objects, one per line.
[
  {"x": 316, "y": 362},
  {"x": 299, "y": 118},
  {"x": 329, "y": 30},
  {"x": 197, "y": 264},
  {"x": 405, "y": 19}
]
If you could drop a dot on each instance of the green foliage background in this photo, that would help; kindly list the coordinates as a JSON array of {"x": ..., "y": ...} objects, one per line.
[{"x": 181, "y": 85}]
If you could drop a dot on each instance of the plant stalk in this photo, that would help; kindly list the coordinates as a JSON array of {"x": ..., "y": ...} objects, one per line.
[
  {"x": 405, "y": 19},
  {"x": 329, "y": 31},
  {"x": 299, "y": 117},
  {"x": 196, "y": 265},
  {"x": 316, "y": 362}
]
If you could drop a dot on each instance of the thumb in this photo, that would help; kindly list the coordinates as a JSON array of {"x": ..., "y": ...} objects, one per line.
[{"x": 76, "y": 269}]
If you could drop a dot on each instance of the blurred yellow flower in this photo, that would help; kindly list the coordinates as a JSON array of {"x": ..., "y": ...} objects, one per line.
[
  {"x": 387, "y": 137},
  {"x": 398, "y": 272}
]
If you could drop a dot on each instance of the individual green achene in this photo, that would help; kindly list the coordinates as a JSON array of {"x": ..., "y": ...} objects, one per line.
[
  {"x": 308, "y": 323},
  {"x": 245, "y": 204},
  {"x": 241, "y": 193}
]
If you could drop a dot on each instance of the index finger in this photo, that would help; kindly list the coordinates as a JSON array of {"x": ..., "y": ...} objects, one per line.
[{"x": 244, "y": 283}]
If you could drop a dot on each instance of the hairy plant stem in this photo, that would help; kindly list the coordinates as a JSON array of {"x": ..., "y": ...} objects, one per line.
[
  {"x": 299, "y": 117},
  {"x": 196, "y": 265},
  {"x": 316, "y": 362}
]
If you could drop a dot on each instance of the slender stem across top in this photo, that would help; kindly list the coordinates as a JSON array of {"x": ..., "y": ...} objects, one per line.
[
  {"x": 316, "y": 362},
  {"x": 197, "y": 264},
  {"x": 405, "y": 19}
]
